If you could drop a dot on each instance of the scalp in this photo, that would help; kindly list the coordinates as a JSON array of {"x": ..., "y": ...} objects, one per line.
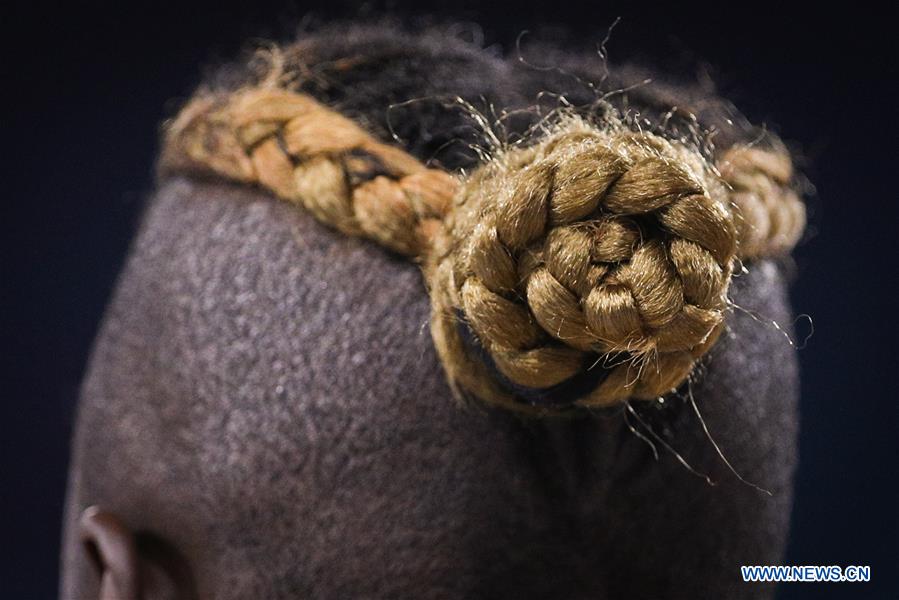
[{"x": 265, "y": 395}]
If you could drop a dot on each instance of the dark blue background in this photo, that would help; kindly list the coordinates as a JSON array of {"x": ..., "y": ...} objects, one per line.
[{"x": 88, "y": 87}]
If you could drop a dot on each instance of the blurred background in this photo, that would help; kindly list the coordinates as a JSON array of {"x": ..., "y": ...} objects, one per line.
[{"x": 87, "y": 87}]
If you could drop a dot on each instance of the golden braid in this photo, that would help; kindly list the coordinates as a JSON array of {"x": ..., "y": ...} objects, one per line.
[
  {"x": 308, "y": 154},
  {"x": 595, "y": 254}
]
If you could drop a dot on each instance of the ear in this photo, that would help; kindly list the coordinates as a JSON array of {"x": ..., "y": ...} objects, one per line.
[{"x": 133, "y": 567}]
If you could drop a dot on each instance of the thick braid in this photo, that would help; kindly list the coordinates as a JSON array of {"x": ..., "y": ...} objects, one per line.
[
  {"x": 587, "y": 268},
  {"x": 771, "y": 213},
  {"x": 313, "y": 156}
]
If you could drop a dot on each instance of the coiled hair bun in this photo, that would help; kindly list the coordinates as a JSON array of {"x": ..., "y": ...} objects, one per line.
[{"x": 584, "y": 268}]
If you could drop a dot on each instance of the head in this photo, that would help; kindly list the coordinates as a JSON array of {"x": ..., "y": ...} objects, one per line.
[{"x": 266, "y": 414}]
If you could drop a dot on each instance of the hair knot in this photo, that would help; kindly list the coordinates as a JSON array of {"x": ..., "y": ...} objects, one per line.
[{"x": 591, "y": 247}]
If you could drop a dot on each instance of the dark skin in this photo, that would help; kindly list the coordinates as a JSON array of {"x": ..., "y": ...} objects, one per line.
[{"x": 265, "y": 416}]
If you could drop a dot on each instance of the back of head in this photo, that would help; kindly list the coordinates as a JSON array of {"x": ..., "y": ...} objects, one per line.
[{"x": 266, "y": 409}]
